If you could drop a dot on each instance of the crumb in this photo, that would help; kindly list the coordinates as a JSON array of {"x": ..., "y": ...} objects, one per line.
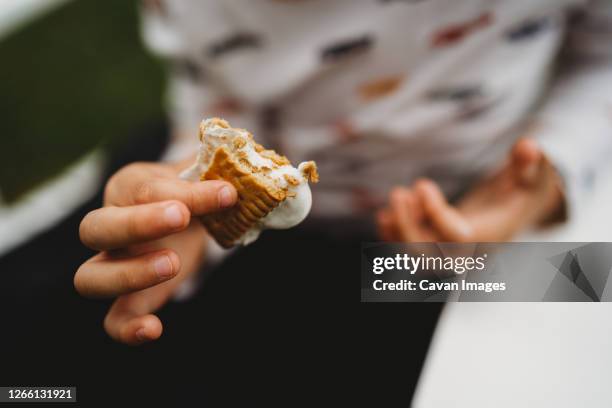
[
  {"x": 291, "y": 180},
  {"x": 243, "y": 161},
  {"x": 239, "y": 143},
  {"x": 276, "y": 158},
  {"x": 309, "y": 169}
]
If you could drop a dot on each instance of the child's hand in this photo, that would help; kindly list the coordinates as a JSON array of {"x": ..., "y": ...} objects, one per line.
[
  {"x": 525, "y": 192},
  {"x": 145, "y": 235}
]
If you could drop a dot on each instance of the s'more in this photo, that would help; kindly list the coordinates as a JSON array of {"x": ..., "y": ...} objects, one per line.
[{"x": 272, "y": 194}]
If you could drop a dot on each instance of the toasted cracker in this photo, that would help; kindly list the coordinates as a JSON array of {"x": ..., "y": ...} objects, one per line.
[{"x": 255, "y": 199}]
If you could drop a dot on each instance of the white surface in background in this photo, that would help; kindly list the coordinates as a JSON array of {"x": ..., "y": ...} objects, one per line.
[
  {"x": 13, "y": 13},
  {"x": 527, "y": 354},
  {"x": 51, "y": 202}
]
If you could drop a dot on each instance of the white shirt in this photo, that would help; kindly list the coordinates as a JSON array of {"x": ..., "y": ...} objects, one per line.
[
  {"x": 429, "y": 87},
  {"x": 380, "y": 92}
]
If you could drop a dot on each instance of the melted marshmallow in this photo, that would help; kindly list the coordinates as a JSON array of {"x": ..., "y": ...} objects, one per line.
[{"x": 290, "y": 211}]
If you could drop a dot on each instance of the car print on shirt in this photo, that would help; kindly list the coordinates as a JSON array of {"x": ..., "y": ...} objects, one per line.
[
  {"x": 471, "y": 100},
  {"x": 347, "y": 48},
  {"x": 380, "y": 87},
  {"x": 187, "y": 68},
  {"x": 529, "y": 29},
  {"x": 453, "y": 34},
  {"x": 234, "y": 42}
]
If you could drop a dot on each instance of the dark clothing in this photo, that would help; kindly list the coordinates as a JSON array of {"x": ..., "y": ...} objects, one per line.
[{"x": 279, "y": 317}]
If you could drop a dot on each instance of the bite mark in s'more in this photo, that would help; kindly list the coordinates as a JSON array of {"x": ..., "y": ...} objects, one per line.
[{"x": 272, "y": 194}]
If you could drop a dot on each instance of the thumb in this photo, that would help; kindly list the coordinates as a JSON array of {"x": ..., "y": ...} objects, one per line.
[
  {"x": 526, "y": 158},
  {"x": 445, "y": 218}
]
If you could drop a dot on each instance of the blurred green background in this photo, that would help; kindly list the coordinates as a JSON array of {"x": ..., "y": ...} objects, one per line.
[{"x": 76, "y": 78}]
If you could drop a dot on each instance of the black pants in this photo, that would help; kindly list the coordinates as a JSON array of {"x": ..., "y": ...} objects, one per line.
[{"x": 279, "y": 320}]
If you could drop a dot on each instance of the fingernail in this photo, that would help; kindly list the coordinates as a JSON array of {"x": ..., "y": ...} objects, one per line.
[
  {"x": 140, "y": 334},
  {"x": 163, "y": 267},
  {"x": 226, "y": 198},
  {"x": 174, "y": 216}
]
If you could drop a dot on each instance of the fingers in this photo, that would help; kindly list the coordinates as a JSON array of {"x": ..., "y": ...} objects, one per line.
[
  {"x": 123, "y": 325},
  {"x": 443, "y": 216},
  {"x": 404, "y": 210},
  {"x": 103, "y": 276},
  {"x": 385, "y": 225},
  {"x": 143, "y": 183},
  {"x": 526, "y": 157},
  {"x": 200, "y": 197},
  {"x": 129, "y": 319},
  {"x": 117, "y": 227}
]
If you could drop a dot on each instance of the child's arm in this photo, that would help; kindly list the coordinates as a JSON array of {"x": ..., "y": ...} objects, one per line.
[
  {"x": 573, "y": 131},
  {"x": 525, "y": 192}
]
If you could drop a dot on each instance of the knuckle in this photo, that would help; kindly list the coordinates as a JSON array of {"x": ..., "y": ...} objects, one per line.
[
  {"x": 134, "y": 226},
  {"x": 122, "y": 177},
  {"x": 111, "y": 187},
  {"x": 86, "y": 229},
  {"x": 127, "y": 280},
  {"x": 174, "y": 259},
  {"x": 143, "y": 192},
  {"x": 192, "y": 200}
]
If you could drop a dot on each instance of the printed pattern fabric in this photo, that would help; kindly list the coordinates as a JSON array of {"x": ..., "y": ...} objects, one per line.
[{"x": 380, "y": 92}]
